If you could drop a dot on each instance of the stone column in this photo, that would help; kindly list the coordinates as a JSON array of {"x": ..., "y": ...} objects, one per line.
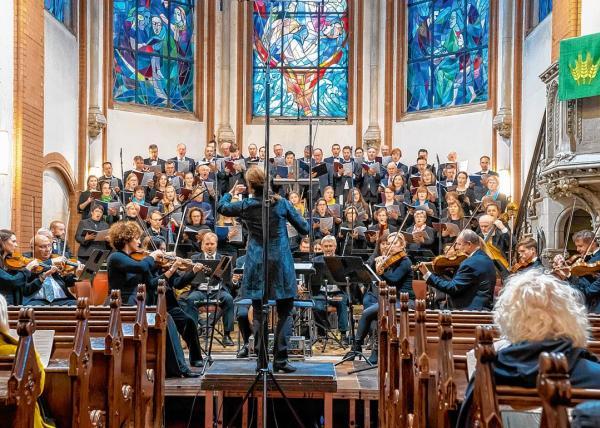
[
  {"x": 96, "y": 118},
  {"x": 372, "y": 136},
  {"x": 225, "y": 132},
  {"x": 503, "y": 120}
]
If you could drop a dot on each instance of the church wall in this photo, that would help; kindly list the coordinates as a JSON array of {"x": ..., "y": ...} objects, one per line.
[
  {"x": 590, "y": 17},
  {"x": 61, "y": 87},
  {"x": 537, "y": 49},
  {"x": 469, "y": 134},
  {"x": 6, "y": 111},
  {"x": 133, "y": 132}
]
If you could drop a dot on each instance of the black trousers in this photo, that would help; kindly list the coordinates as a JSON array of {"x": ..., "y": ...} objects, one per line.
[
  {"x": 188, "y": 329},
  {"x": 280, "y": 344}
]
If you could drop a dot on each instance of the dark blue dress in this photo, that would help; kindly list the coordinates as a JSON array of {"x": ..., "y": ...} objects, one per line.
[{"x": 282, "y": 275}]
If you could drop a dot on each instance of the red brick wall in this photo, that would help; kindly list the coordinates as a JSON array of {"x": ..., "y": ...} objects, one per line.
[{"x": 28, "y": 118}]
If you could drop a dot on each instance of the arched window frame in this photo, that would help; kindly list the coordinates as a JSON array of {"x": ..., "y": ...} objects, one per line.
[
  {"x": 402, "y": 113},
  {"x": 354, "y": 7},
  {"x": 198, "y": 66},
  {"x": 68, "y": 15}
]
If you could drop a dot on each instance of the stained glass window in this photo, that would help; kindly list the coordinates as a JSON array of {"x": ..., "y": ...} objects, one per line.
[
  {"x": 62, "y": 10},
  {"x": 153, "y": 44},
  {"x": 305, "y": 44},
  {"x": 544, "y": 9},
  {"x": 447, "y": 53}
]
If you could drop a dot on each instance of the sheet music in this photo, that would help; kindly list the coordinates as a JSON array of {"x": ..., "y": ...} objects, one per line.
[
  {"x": 101, "y": 235},
  {"x": 326, "y": 223},
  {"x": 291, "y": 230},
  {"x": 43, "y": 341},
  {"x": 148, "y": 176},
  {"x": 183, "y": 166}
]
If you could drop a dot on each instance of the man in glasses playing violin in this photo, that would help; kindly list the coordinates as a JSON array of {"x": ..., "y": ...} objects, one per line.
[
  {"x": 57, "y": 280},
  {"x": 589, "y": 253}
]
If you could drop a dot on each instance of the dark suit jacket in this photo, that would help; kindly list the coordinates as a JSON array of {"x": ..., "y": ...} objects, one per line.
[
  {"x": 589, "y": 286},
  {"x": 472, "y": 287},
  {"x": 65, "y": 282},
  {"x": 190, "y": 160}
]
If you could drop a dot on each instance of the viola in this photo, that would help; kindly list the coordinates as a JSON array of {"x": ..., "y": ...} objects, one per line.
[{"x": 443, "y": 262}]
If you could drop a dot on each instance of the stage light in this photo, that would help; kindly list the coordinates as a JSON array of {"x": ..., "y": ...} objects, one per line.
[
  {"x": 5, "y": 153},
  {"x": 505, "y": 181}
]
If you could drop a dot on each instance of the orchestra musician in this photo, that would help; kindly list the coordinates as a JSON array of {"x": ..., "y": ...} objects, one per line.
[
  {"x": 15, "y": 284},
  {"x": 186, "y": 326},
  {"x": 282, "y": 275},
  {"x": 335, "y": 297},
  {"x": 472, "y": 286},
  {"x": 56, "y": 287},
  {"x": 222, "y": 292},
  {"x": 125, "y": 274},
  {"x": 528, "y": 256},
  {"x": 394, "y": 268},
  {"x": 59, "y": 242},
  {"x": 589, "y": 285}
]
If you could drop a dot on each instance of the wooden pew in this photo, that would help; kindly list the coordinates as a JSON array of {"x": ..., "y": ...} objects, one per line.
[
  {"x": 20, "y": 377},
  {"x": 134, "y": 349},
  {"x": 382, "y": 343},
  {"x": 553, "y": 393},
  {"x": 447, "y": 393}
]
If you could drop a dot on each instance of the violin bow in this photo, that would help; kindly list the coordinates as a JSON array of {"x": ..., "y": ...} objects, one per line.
[
  {"x": 587, "y": 250},
  {"x": 399, "y": 232},
  {"x": 64, "y": 250}
]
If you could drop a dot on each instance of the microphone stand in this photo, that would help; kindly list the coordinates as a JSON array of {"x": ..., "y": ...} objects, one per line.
[{"x": 264, "y": 372}]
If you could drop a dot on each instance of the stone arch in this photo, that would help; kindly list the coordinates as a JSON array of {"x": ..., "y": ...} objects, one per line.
[
  {"x": 56, "y": 163},
  {"x": 562, "y": 220}
]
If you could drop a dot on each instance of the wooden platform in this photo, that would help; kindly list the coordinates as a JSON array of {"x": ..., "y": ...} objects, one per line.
[{"x": 316, "y": 379}]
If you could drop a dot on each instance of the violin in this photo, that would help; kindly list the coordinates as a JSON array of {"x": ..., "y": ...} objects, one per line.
[
  {"x": 581, "y": 268},
  {"x": 18, "y": 262},
  {"x": 167, "y": 260},
  {"x": 444, "y": 262},
  {"x": 389, "y": 261},
  {"x": 519, "y": 266},
  {"x": 69, "y": 266}
]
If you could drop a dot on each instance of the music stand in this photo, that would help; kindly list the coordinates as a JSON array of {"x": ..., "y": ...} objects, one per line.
[
  {"x": 344, "y": 270},
  {"x": 93, "y": 264}
]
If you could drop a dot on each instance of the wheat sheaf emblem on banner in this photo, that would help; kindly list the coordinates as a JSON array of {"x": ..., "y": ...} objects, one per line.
[{"x": 584, "y": 71}]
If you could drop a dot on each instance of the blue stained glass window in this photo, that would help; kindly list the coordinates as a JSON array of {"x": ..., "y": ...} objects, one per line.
[
  {"x": 62, "y": 10},
  {"x": 447, "y": 53},
  {"x": 544, "y": 9},
  {"x": 153, "y": 43},
  {"x": 305, "y": 44}
]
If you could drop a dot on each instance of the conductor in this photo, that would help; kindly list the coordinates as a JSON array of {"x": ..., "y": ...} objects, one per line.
[
  {"x": 472, "y": 287},
  {"x": 282, "y": 276}
]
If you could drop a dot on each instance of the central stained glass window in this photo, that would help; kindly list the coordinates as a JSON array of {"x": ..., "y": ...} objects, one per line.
[
  {"x": 154, "y": 53},
  {"x": 447, "y": 53},
  {"x": 304, "y": 45}
]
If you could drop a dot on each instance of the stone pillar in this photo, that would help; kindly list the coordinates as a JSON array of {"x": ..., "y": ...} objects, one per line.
[
  {"x": 372, "y": 136},
  {"x": 96, "y": 118},
  {"x": 225, "y": 132},
  {"x": 503, "y": 120}
]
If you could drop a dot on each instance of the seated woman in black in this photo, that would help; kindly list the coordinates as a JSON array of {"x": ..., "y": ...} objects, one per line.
[
  {"x": 352, "y": 232},
  {"x": 538, "y": 313},
  {"x": 321, "y": 211},
  {"x": 396, "y": 269},
  {"x": 15, "y": 284},
  {"x": 381, "y": 225},
  {"x": 125, "y": 273},
  {"x": 176, "y": 279},
  {"x": 423, "y": 235},
  {"x": 456, "y": 216}
]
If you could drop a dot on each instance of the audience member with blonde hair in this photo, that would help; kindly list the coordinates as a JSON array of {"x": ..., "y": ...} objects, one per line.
[
  {"x": 8, "y": 346},
  {"x": 537, "y": 313}
]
